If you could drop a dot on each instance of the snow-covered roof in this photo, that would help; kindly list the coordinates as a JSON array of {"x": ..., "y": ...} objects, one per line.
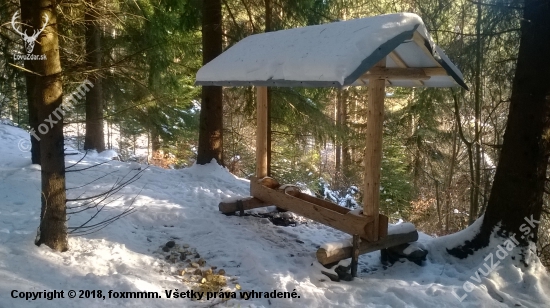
[{"x": 337, "y": 54}]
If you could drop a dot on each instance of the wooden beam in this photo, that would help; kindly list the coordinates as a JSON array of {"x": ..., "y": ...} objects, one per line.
[
  {"x": 327, "y": 257},
  {"x": 435, "y": 71},
  {"x": 373, "y": 151},
  {"x": 316, "y": 209},
  {"x": 400, "y": 63},
  {"x": 248, "y": 204},
  {"x": 396, "y": 73},
  {"x": 261, "y": 132},
  {"x": 405, "y": 73}
]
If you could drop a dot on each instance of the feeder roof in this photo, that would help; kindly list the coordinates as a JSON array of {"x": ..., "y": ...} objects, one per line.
[{"x": 338, "y": 54}]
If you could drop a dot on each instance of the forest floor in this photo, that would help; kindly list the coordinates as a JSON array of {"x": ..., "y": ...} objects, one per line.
[{"x": 182, "y": 206}]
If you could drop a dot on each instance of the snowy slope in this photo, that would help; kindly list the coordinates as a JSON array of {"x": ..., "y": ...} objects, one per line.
[{"x": 181, "y": 205}]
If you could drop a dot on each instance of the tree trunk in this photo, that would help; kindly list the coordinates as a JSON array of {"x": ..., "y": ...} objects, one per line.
[
  {"x": 30, "y": 79},
  {"x": 346, "y": 158},
  {"x": 268, "y": 28},
  {"x": 518, "y": 187},
  {"x": 475, "y": 186},
  {"x": 211, "y": 117},
  {"x": 94, "y": 138},
  {"x": 338, "y": 117},
  {"x": 48, "y": 93}
]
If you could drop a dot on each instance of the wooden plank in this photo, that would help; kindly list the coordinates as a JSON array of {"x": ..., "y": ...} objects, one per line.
[
  {"x": 383, "y": 226},
  {"x": 349, "y": 223},
  {"x": 321, "y": 202},
  {"x": 261, "y": 132},
  {"x": 326, "y": 257},
  {"x": 421, "y": 42},
  {"x": 373, "y": 151},
  {"x": 248, "y": 204}
]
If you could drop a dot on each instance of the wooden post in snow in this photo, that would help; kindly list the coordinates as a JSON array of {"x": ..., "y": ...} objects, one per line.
[
  {"x": 373, "y": 151},
  {"x": 261, "y": 132}
]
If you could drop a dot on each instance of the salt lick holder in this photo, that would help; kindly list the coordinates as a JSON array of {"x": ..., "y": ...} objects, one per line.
[{"x": 377, "y": 52}]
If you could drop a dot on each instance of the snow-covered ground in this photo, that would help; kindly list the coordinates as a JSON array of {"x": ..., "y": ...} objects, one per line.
[{"x": 182, "y": 205}]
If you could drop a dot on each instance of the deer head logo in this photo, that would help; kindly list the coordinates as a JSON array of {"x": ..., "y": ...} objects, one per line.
[{"x": 29, "y": 40}]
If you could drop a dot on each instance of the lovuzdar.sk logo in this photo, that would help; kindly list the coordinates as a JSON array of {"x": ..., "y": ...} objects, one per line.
[{"x": 29, "y": 40}]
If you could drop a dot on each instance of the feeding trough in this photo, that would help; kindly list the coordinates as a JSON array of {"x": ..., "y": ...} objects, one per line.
[{"x": 376, "y": 52}]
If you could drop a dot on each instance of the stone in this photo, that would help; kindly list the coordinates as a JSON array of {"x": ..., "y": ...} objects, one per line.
[
  {"x": 166, "y": 249},
  {"x": 202, "y": 262},
  {"x": 195, "y": 265},
  {"x": 182, "y": 272},
  {"x": 221, "y": 271},
  {"x": 185, "y": 246},
  {"x": 197, "y": 255},
  {"x": 197, "y": 272},
  {"x": 238, "y": 286},
  {"x": 183, "y": 256},
  {"x": 207, "y": 272},
  {"x": 170, "y": 244}
]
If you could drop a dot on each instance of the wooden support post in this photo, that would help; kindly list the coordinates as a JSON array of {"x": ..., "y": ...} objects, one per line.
[
  {"x": 373, "y": 152},
  {"x": 261, "y": 132},
  {"x": 355, "y": 255}
]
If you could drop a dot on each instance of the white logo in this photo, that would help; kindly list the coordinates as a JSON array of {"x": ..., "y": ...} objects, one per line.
[{"x": 29, "y": 40}]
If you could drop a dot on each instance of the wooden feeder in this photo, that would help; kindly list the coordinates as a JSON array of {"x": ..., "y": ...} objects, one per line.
[{"x": 377, "y": 52}]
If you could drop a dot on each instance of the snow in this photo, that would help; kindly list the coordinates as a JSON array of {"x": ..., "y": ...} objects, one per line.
[
  {"x": 329, "y": 52},
  {"x": 182, "y": 205},
  {"x": 333, "y": 54}
]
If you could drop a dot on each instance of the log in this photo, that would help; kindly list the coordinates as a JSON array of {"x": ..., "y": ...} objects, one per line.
[
  {"x": 334, "y": 255},
  {"x": 248, "y": 204}
]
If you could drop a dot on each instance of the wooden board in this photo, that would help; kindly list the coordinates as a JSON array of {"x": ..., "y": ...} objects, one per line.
[
  {"x": 339, "y": 218},
  {"x": 248, "y": 204},
  {"x": 261, "y": 132},
  {"x": 327, "y": 257}
]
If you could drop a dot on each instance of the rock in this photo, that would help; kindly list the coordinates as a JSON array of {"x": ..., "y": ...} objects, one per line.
[
  {"x": 221, "y": 271},
  {"x": 166, "y": 249},
  {"x": 185, "y": 246},
  {"x": 207, "y": 272},
  {"x": 202, "y": 262},
  {"x": 195, "y": 265},
  {"x": 332, "y": 277},
  {"x": 410, "y": 252},
  {"x": 238, "y": 286},
  {"x": 170, "y": 244},
  {"x": 214, "y": 268},
  {"x": 197, "y": 256},
  {"x": 182, "y": 272},
  {"x": 183, "y": 256},
  {"x": 203, "y": 280},
  {"x": 197, "y": 272},
  {"x": 167, "y": 257}
]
